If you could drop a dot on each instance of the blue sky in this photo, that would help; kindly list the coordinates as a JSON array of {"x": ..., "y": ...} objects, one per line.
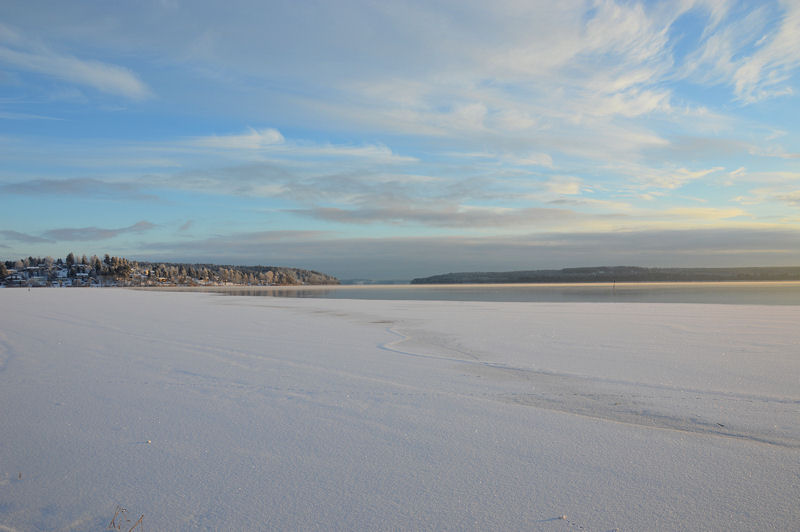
[{"x": 390, "y": 140}]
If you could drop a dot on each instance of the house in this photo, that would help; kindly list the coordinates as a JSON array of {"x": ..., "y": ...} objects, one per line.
[
  {"x": 82, "y": 268},
  {"x": 16, "y": 278}
]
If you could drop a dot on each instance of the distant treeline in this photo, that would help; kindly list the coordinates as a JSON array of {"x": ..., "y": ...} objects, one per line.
[
  {"x": 72, "y": 271},
  {"x": 243, "y": 275},
  {"x": 600, "y": 274}
]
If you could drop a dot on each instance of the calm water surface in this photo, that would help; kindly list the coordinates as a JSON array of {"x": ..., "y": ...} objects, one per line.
[{"x": 717, "y": 293}]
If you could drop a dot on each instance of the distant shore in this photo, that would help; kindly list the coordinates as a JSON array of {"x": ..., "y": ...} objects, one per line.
[{"x": 618, "y": 274}]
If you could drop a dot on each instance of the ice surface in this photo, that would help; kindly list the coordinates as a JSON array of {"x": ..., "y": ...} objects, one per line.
[{"x": 202, "y": 411}]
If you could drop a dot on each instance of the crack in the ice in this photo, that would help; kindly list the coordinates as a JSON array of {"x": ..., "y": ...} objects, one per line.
[{"x": 578, "y": 395}]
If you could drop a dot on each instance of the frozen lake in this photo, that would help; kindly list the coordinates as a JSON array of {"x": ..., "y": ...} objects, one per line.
[{"x": 206, "y": 412}]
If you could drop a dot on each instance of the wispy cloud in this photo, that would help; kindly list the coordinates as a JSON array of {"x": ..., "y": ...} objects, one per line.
[
  {"x": 269, "y": 142},
  {"x": 237, "y": 248},
  {"x": 18, "y": 52},
  {"x": 763, "y": 74},
  {"x": 251, "y": 140},
  {"x": 776, "y": 179},
  {"x": 564, "y": 185},
  {"x": 788, "y": 194},
  {"x": 706, "y": 213},
  {"x": 460, "y": 216},
  {"x": 648, "y": 178},
  {"x": 83, "y": 187},
  {"x": 753, "y": 54},
  {"x": 24, "y": 238},
  {"x": 24, "y": 116},
  {"x": 95, "y": 233},
  {"x": 776, "y": 151}
]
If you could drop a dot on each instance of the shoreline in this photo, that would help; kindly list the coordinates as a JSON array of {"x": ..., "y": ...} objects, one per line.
[
  {"x": 625, "y": 284},
  {"x": 701, "y": 292},
  {"x": 399, "y": 287}
]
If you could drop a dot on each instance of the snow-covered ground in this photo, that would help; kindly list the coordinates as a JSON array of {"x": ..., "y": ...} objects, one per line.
[{"x": 202, "y": 411}]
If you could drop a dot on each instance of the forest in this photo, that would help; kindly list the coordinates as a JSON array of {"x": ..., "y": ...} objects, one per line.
[{"x": 119, "y": 271}]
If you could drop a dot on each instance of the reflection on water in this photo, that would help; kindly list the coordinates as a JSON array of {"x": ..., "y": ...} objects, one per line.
[{"x": 787, "y": 293}]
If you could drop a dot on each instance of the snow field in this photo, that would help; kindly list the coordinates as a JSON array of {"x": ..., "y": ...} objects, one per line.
[{"x": 312, "y": 414}]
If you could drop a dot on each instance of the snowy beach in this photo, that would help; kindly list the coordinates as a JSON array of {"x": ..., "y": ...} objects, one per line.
[{"x": 207, "y": 412}]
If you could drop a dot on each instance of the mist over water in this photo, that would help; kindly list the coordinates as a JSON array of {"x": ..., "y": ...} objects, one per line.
[{"x": 708, "y": 293}]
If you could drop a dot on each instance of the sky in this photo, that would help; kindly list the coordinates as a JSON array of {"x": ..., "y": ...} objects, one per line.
[{"x": 392, "y": 140}]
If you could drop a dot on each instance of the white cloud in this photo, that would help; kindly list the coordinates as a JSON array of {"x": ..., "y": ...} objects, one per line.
[
  {"x": 252, "y": 140},
  {"x": 467, "y": 117},
  {"x": 529, "y": 82},
  {"x": 270, "y": 142},
  {"x": 755, "y": 54},
  {"x": 530, "y": 159},
  {"x": 633, "y": 103},
  {"x": 760, "y": 177},
  {"x": 471, "y": 217},
  {"x": 565, "y": 185},
  {"x": 625, "y": 30},
  {"x": 647, "y": 177},
  {"x": 774, "y": 151},
  {"x": 761, "y": 75},
  {"x": 374, "y": 152},
  {"x": 706, "y": 213},
  {"x": 788, "y": 194},
  {"x": 514, "y": 120},
  {"x": 104, "y": 77}
]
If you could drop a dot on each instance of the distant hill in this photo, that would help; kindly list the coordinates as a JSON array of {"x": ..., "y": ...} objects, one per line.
[{"x": 600, "y": 274}]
